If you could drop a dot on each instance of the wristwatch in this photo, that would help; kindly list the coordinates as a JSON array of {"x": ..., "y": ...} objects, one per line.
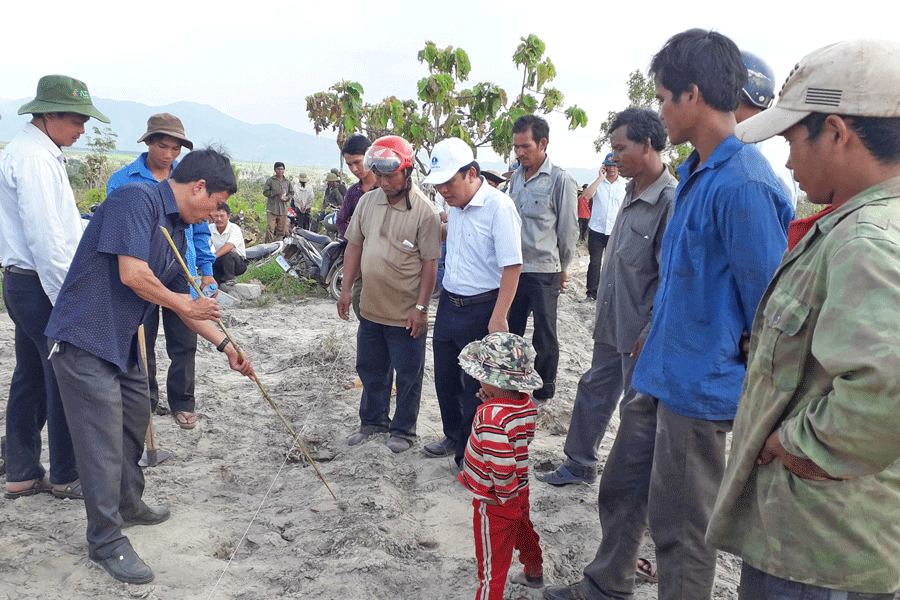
[{"x": 424, "y": 309}]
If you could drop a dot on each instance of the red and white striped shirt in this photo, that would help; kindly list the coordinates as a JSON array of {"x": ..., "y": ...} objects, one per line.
[{"x": 496, "y": 461}]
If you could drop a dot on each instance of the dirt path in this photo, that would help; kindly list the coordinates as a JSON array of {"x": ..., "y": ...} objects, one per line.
[{"x": 406, "y": 529}]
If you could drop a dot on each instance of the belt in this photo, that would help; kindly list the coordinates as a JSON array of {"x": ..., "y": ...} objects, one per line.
[
  {"x": 19, "y": 271},
  {"x": 460, "y": 301}
]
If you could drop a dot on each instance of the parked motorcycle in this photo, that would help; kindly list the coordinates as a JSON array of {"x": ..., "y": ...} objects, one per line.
[
  {"x": 260, "y": 254},
  {"x": 316, "y": 257}
]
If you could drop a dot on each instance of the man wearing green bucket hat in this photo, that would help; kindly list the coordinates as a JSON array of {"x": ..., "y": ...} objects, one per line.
[{"x": 40, "y": 228}]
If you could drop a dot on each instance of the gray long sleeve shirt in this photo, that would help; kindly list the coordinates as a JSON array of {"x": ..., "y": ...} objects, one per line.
[
  {"x": 630, "y": 273},
  {"x": 548, "y": 205}
]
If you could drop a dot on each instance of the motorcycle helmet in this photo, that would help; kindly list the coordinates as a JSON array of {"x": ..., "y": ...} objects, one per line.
[
  {"x": 388, "y": 155},
  {"x": 760, "y": 87}
]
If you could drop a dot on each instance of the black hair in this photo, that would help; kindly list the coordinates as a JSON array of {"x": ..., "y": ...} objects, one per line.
[
  {"x": 640, "y": 125},
  {"x": 356, "y": 144},
  {"x": 466, "y": 168},
  {"x": 540, "y": 129},
  {"x": 211, "y": 165},
  {"x": 706, "y": 59},
  {"x": 279, "y": 164},
  {"x": 224, "y": 206},
  {"x": 152, "y": 139},
  {"x": 879, "y": 135}
]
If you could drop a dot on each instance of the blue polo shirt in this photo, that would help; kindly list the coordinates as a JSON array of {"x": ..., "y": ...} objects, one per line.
[
  {"x": 725, "y": 239},
  {"x": 199, "y": 254},
  {"x": 95, "y": 310}
]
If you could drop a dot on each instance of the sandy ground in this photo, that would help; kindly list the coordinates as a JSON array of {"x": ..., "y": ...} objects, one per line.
[{"x": 250, "y": 520}]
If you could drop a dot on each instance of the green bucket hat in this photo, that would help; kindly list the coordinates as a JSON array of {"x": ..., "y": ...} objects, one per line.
[
  {"x": 501, "y": 359},
  {"x": 58, "y": 93},
  {"x": 331, "y": 177},
  {"x": 303, "y": 177}
]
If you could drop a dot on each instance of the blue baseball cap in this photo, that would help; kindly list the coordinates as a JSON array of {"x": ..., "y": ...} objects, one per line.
[{"x": 608, "y": 161}]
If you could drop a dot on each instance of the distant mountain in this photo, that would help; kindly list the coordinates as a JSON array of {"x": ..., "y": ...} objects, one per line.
[{"x": 204, "y": 125}]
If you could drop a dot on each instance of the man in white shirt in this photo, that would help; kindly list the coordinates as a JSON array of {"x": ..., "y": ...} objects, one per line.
[
  {"x": 483, "y": 264},
  {"x": 607, "y": 193},
  {"x": 40, "y": 228},
  {"x": 226, "y": 241}
]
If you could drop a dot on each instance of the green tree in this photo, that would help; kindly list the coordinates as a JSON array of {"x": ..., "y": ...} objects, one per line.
[
  {"x": 641, "y": 94},
  {"x": 443, "y": 106},
  {"x": 96, "y": 169}
]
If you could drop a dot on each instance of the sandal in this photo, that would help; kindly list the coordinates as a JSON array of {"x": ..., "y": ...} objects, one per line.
[
  {"x": 185, "y": 419},
  {"x": 646, "y": 570},
  {"x": 71, "y": 491},
  {"x": 38, "y": 486}
]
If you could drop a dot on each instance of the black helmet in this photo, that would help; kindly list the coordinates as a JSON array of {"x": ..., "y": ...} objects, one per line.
[{"x": 760, "y": 88}]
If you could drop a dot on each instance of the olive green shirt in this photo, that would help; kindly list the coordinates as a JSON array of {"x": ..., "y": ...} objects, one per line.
[{"x": 824, "y": 370}]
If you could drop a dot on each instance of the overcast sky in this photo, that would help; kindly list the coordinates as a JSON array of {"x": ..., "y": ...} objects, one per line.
[{"x": 257, "y": 63}]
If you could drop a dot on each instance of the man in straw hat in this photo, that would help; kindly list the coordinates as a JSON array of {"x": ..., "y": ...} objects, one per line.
[
  {"x": 122, "y": 269},
  {"x": 164, "y": 138},
  {"x": 809, "y": 497},
  {"x": 40, "y": 228},
  {"x": 496, "y": 463}
]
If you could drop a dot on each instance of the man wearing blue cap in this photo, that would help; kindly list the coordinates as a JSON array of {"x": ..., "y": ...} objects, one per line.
[
  {"x": 607, "y": 193},
  {"x": 40, "y": 228}
]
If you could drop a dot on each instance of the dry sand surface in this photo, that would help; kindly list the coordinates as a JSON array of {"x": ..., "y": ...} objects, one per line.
[{"x": 251, "y": 520}]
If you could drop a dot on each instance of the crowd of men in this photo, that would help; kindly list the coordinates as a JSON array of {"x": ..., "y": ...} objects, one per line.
[{"x": 716, "y": 311}]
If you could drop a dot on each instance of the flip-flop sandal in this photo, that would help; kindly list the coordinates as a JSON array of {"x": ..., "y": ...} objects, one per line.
[
  {"x": 71, "y": 491},
  {"x": 646, "y": 570},
  {"x": 187, "y": 423},
  {"x": 39, "y": 486}
]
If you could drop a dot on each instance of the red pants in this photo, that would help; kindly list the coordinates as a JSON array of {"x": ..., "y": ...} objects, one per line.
[{"x": 499, "y": 530}]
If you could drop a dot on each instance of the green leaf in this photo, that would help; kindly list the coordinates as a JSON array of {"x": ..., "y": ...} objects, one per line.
[{"x": 463, "y": 66}]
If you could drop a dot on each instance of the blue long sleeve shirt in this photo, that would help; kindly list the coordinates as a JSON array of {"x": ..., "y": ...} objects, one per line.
[
  {"x": 198, "y": 255},
  {"x": 725, "y": 239}
]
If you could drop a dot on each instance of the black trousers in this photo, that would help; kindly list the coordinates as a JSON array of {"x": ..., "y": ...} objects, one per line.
[
  {"x": 596, "y": 245},
  {"x": 538, "y": 296},
  {"x": 181, "y": 346},
  {"x": 228, "y": 267}
]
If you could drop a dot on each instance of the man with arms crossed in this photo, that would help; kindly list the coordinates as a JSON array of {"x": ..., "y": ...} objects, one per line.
[
  {"x": 39, "y": 232},
  {"x": 546, "y": 197},
  {"x": 809, "y": 498},
  {"x": 123, "y": 268},
  {"x": 484, "y": 259},
  {"x": 723, "y": 242},
  {"x": 628, "y": 284},
  {"x": 394, "y": 238}
]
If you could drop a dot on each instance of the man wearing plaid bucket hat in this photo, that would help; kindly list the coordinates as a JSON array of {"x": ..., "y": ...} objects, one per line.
[
  {"x": 809, "y": 496},
  {"x": 495, "y": 469},
  {"x": 40, "y": 228}
]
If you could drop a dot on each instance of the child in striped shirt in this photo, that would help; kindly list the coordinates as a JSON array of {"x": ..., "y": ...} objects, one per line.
[{"x": 495, "y": 468}]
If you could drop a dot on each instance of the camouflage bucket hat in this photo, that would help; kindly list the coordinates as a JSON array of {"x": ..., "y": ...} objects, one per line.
[
  {"x": 58, "y": 93},
  {"x": 501, "y": 359}
]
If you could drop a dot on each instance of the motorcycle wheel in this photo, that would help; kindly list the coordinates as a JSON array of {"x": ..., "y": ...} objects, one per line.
[{"x": 336, "y": 283}]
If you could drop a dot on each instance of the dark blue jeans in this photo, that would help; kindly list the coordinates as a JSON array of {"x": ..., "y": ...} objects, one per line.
[
  {"x": 33, "y": 393},
  {"x": 538, "y": 295},
  {"x": 758, "y": 584},
  {"x": 380, "y": 348},
  {"x": 454, "y": 327}
]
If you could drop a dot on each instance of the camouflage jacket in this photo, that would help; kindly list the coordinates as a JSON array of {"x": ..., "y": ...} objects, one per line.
[{"x": 824, "y": 370}]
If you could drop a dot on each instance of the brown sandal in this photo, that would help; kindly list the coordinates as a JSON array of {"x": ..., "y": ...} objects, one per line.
[{"x": 185, "y": 419}]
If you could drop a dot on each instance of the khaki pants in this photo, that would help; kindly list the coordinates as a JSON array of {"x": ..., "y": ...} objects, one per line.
[{"x": 276, "y": 227}]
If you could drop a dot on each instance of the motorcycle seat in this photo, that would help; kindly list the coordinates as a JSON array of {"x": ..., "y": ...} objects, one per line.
[
  {"x": 315, "y": 238},
  {"x": 260, "y": 250}
]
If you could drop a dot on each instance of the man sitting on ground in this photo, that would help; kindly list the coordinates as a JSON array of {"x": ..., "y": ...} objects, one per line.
[{"x": 227, "y": 243}]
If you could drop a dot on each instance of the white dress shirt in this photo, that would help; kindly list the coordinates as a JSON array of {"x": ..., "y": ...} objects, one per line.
[
  {"x": 482, "y": 239},
  {"x": 232, "y": 234},
  {"x": 607, "y": 202},
  {"x": 40, "y": 225}
]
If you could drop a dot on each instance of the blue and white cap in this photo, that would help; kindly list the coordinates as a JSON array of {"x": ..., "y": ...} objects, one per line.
[{"x": 448, "y": 157}]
